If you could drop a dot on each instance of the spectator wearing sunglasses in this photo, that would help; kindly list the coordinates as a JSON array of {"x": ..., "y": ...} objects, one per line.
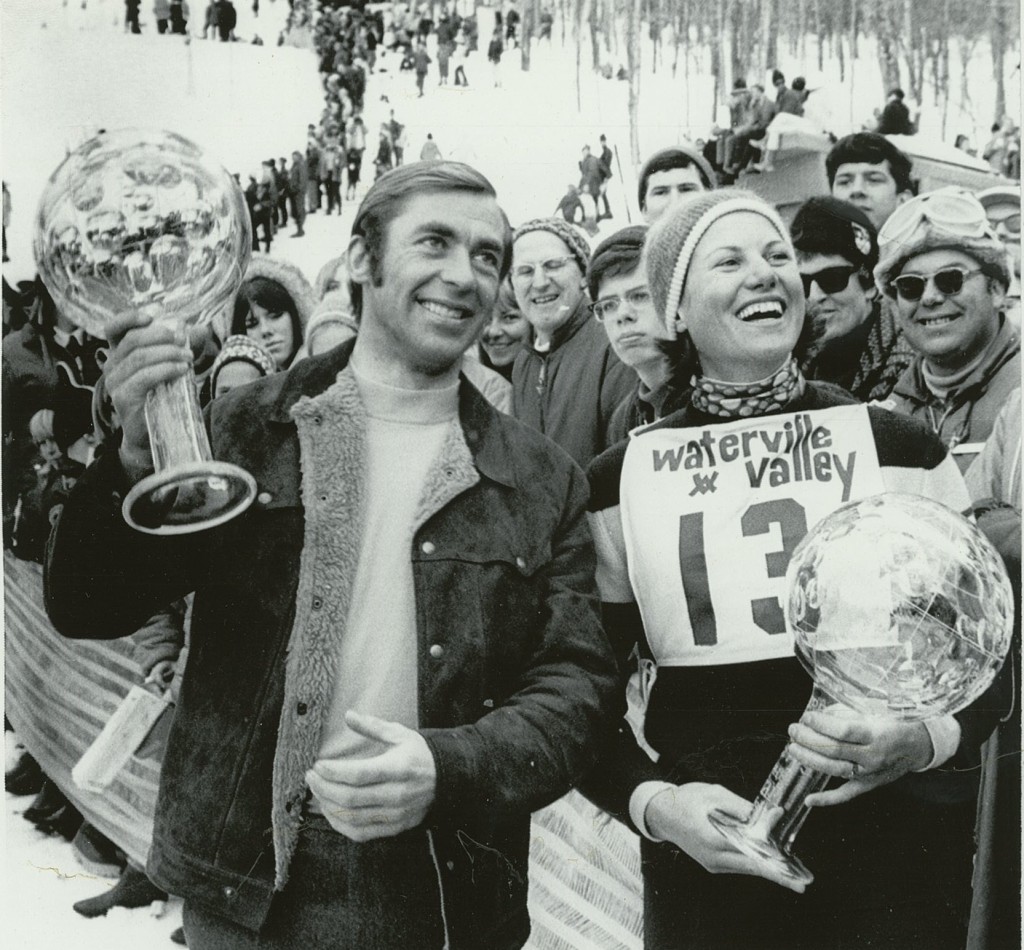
[
  {"x": 1002, "y": 208},
  {"x": 947, "y": 271},
  {"x": 850, "y": 336},
  {"x": 569, "y": 381}
]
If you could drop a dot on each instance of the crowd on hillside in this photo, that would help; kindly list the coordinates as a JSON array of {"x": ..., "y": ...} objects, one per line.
[{"x": 473, "y": 634}]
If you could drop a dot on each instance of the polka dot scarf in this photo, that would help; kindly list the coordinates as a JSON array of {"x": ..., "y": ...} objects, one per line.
[{"x": 745, "y": 400}]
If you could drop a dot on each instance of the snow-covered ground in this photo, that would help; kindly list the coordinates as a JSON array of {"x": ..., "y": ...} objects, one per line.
[{"x": 67, "y": 69}]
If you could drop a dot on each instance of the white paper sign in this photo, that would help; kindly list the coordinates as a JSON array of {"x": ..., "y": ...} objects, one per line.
[{"x": 711, "y": 517}]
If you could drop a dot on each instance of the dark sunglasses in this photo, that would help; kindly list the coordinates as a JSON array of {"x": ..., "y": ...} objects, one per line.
[
  {"x": 949, "y": 282},
  {"x": 831, "y": 280}
]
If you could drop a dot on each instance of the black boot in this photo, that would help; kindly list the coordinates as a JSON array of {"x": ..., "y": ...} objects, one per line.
[
  {"x": 133, "y": 889},
  {"x": 97, "y": 853},
  {"x": 46, "y": 804},
  {"x": 26, "y": 778},
  {"x": 65, "y": 822}
]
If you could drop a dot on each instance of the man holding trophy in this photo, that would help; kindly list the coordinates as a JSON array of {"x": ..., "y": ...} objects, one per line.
[{"x": 396, "y": 653}]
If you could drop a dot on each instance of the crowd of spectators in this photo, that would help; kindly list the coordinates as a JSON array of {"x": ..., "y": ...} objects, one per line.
[{"x": 912, "y": 301}]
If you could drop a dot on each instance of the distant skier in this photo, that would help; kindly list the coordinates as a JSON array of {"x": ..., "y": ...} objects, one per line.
[{"x": 430, "y": 152}]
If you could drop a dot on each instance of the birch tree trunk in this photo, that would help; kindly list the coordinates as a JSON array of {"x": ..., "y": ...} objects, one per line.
[{"x": 633, "y": 60}]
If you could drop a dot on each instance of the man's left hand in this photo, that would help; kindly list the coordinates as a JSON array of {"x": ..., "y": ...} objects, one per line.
[
  {"x": 381, "y": 796},
  {"x": 868, "y": 752}
]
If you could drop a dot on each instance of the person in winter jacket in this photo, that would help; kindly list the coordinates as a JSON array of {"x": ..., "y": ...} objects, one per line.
[
  {"x": 568, "y": 382},
  {"x": 947, "y": 271},
  {"x": 298, "y": 186},
  {"x": 850, "y": 337}
]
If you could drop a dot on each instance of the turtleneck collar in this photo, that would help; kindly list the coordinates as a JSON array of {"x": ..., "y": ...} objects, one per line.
[{"x": 410, "y": 406}]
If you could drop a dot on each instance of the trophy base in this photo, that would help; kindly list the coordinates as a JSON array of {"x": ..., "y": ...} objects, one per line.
[
  {"x": 748, "y": 839},
  {"x": 187, "y": 498}
]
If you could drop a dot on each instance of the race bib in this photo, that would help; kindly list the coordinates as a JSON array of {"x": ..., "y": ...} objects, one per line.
[{"x": 711, "y": 517}]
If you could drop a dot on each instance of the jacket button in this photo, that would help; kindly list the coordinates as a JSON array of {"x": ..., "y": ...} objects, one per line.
[
  {"x": 428, "y": 547},
  {"x": 318, "y": 420},
  {"x": 437, "y": 651},
  {"x": 449, "y": 473},
  {"x": 317, "y": 603},
  {"x": 323, "y": 497},
  {"x": 521, "y": 563},
  {"x": 264, "y": 498},
  {"x": 450, "y": 865},
  {"x": 489, "y": 703},
  {"x": 302, "y": 709},
  {"x": 229, "y": 892}
]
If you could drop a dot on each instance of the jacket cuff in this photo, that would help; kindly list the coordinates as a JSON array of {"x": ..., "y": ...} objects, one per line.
[
  {"x": 944, "y": 732},
  {"x": 639, "y": 801}
]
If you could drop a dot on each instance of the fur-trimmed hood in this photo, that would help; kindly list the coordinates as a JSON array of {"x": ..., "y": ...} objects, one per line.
[{"x": 288, "y": 276}]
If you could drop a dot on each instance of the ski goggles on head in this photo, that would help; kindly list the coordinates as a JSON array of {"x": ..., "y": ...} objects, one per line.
[
  {"x": 952, "y": 210},
  {"x": 949, "y": 282},
  {"x": 831, "y": 280},
  {"x": 1011, "y": 223}
]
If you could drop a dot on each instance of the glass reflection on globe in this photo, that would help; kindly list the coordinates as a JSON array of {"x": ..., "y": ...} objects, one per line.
[
  {"x": 143, "y": 220},
  {"x": 900, "y": 608}
]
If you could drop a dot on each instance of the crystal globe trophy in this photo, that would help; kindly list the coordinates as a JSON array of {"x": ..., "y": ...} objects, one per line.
[
  {"x": 137, "y": 220},
  {"x": 899, "y": 608}
]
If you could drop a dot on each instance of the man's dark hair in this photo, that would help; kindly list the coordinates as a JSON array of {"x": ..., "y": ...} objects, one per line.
[
  {"x": 617, "y": 255},
  {"x": 677, "y": 156},
  {"x": 388, "y": 197},
  {"x": 874, "y": 149},
  {"x": 799, "y": 84},
  {"x": 777, "y": 77},
  {"x": 740, "y": 83},
  {"x": 897, "y": 92}
]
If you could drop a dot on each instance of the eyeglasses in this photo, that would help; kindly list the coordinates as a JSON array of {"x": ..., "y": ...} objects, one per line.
[
  {"x": 607, "y": 308},
  {"x": 949, "y": 281},
  {"x": 831, "y": 280},
  {"x": 525, "y": 272},
  {"x": 951, "y": 209}
]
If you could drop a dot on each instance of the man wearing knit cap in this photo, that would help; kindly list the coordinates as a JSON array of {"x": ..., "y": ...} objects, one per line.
[
  {"x": 851, "y": 337},
  {"x": 946, "y": 270},
  {"x": 569, "y": 381},
  {"x": 669, "y": 176}
]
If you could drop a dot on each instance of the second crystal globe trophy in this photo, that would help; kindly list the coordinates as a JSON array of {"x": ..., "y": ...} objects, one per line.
[{"x": 899, "y": 608}]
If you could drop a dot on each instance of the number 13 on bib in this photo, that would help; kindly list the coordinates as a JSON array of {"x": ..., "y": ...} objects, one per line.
[{"x": 711, "y": 516}]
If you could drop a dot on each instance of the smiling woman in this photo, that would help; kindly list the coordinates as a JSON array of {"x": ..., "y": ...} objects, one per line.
[{"x": 695, "y": 519}]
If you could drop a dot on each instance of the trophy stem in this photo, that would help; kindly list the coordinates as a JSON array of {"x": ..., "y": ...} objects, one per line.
[
  {"x": 188, "y": 491},
  {"x": 176, "y": 432},
  {"x": 787, "y": 787}
]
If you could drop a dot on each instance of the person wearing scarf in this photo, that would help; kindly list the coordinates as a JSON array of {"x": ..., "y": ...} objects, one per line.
[{"x": 694, "y": 520}]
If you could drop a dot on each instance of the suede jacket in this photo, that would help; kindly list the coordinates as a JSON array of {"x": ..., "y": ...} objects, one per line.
[{"x": 516, "y": 678}]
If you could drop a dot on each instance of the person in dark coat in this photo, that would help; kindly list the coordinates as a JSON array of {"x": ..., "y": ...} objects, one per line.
[
  {"x": 131, "y": 16},
  {"x": 384, "y": 709},
  {"x": 298, "y": 185},
  {"x": 227, "y": 18},
  {"x": 895, "y": 118}
]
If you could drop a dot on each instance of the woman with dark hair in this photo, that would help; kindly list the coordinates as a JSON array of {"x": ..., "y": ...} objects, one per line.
[{"x": 273, "y": 306}]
